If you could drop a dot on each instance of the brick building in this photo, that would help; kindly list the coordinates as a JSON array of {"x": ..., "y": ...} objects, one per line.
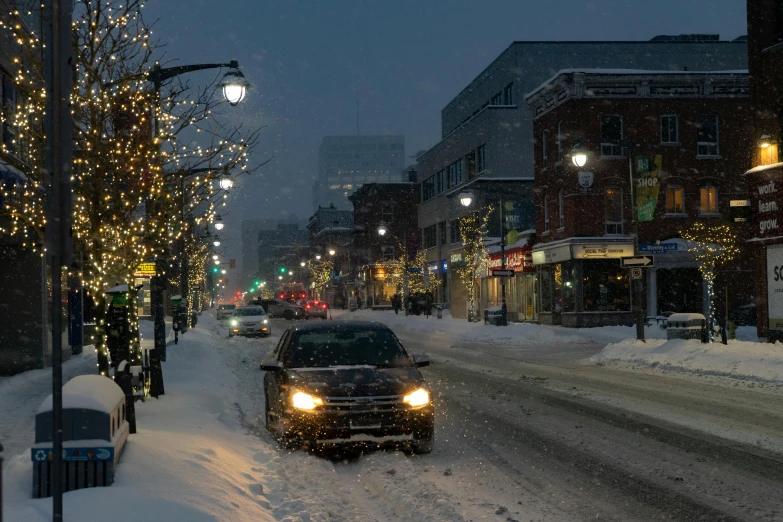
[
  {"x": 392, "y": 205},
  {"x": 686, "y": 129},
  {"x": 765, "y": 179}
]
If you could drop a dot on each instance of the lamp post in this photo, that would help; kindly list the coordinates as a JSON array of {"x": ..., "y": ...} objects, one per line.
[{"x": 466, "y": 199}]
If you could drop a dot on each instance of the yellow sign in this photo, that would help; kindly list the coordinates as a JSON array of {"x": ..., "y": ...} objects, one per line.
[{"x": 145, "y": 270}]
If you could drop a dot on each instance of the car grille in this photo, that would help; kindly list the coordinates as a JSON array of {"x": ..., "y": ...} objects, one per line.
[{"x": 378, "y": 404}]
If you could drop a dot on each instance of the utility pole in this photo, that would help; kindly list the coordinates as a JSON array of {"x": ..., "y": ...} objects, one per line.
[
  {"x": 58, "y": 159},
  {"x": 636, "y": 285},
  {"x": 503, "y": 307}
]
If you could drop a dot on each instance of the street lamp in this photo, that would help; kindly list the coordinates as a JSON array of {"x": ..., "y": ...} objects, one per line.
[
  {"x": 219, "y": 223},
  {"x": 223, "y": 271},
  {"x": 215, "y": 256},
  {"x": 579, "y": 155},
  {"x": 382, "y": 230},
  {"x": 217, "y": 261},
  {"x": 216, "y": 242},
  {"x": 226, "y": 183},
  {"x": 234, "y": 85},
  {"x": 466, "y": 198},
  {"x": 331, "y": 251},
  {"x": 318, "y": 257}
]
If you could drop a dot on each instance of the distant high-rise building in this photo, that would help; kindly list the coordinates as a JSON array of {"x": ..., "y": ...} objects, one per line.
[
  {"x": 345, "y": 163},
  {"x": 250, "y": 242}
]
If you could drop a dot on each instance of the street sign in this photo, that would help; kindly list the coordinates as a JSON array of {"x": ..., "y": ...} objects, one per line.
[
  {"x": 636, "y": 273},
  {"x": 638, "y": 261},
  {"x": 502, "y": 273},
  {"x": 657, "y": 248}
]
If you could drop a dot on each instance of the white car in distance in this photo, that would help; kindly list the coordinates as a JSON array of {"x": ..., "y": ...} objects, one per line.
[{"x": 249, "y": 320}]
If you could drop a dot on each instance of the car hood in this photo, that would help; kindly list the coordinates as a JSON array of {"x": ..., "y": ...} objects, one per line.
[
  {"x": 355, "y": 381},
  {"x": 250, "y": 318}
]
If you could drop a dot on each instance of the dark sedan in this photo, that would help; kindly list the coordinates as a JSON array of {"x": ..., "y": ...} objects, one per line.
[{"x": 344, "y": 382}]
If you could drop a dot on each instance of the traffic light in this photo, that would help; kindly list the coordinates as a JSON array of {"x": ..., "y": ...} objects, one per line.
[
  {"x": 282, "y": 270},
  {"x": 257, "y": 282},
  {"x": 214, "y": 270}
]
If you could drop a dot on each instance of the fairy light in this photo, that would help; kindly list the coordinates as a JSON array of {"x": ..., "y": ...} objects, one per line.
[{"x": 472, "y": 227}]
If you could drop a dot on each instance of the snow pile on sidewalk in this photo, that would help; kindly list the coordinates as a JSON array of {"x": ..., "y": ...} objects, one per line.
[
  {"x": 739, "y": 359},
  {"x": 191, "y": 460},
  {"x": 515, "y": 333}
]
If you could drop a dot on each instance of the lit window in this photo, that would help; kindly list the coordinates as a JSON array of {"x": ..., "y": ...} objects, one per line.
[
  {"x": 709, "y": 200},
  {"x": 674, "y": 200}
]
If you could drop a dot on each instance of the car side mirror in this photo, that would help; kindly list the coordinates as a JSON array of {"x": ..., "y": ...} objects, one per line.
[
  {"x": 421, "y": 360},
  {"x": 271, "y": 365}
]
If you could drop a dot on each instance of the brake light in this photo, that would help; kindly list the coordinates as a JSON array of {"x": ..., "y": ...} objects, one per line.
[
  {"x": 323, "y": 305},
  {"x": 307, "y": 307}
]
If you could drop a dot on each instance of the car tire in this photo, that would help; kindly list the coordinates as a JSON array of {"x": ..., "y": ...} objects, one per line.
[
  {"x": 422, "y": 446},
  {"x": 288, "y": 315}
]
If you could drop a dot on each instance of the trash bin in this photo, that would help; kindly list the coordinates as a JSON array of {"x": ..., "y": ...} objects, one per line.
[
  {"x": 493, "y": 316},
  {"x": 686, "y": 326}
]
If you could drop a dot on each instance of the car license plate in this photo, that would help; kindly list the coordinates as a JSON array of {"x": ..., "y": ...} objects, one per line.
[{"x": 364, "y": 422}]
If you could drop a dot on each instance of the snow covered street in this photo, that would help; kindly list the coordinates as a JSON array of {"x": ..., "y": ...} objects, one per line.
[{"x": 524, "y": 431}]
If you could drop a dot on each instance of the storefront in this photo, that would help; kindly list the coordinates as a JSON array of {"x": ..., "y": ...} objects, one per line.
[
  {"x": 581, "y": 283},
  {"x": 455, "y": 288},
  {"x": 521, "y": 289},
  {"x": 380, "y": 288},
  {"x": 143, "y": 275}
]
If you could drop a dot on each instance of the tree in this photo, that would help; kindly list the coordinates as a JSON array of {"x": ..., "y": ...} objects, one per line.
[
  {"x": 472, "y": 228},
  {"x": 322, "y": 273},
  {"x": 712, "y": 246}
]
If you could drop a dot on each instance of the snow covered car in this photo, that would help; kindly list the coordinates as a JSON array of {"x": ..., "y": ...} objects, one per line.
[
  {"x": 224, "y": 311},
  {"x": 280, "y": 308},
  {"x": 347, "y": 382},
  {"x": 249, "y": 320}
]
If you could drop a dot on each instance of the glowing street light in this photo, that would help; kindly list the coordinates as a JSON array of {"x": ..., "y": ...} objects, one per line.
[
  {"x": 234, "y": 85},
  {"x": 382, "y": 230},
  {"x": 466, "y": 198},
  {"x": 226, "y": 183},
  {"x": 579, "y": 155},
  {"x": 331, "y": 251},
  {"x": 216, "y": 242},
  {"x": 219, "y": 223}
]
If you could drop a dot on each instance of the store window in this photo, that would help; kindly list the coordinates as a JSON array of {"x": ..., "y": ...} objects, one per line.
[{"x": 605, "y": 286}]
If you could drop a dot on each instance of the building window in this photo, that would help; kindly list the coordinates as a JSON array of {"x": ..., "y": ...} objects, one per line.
[
  {"x": 544, "y": 159},
  {"x": 546, "y": 213},
  {"x": 508, "y": 97},
  {"x": 561, "y": 209},
  {"x": 614, "y": 211},
  {"x": 496, "y": 100},
  {"x": 455, "y": 173},
  {"x": 669, "y": 130},
  {"x": 709, "y": 200},
  {"x": 611, "y": 135},
  {"x": 454, "y": 231},
  {"x": 387, "y": 213},
  {"x": 481, "y": 159},
  {"x": 430, "y": 236},
  {"x": 428, "y": 189},
  {"x": 470, "y": 159},
  {"x": 441, "y": 180},
  {"x": 560, "y": 140},
  {"x": 707, "y": 140},
  {"x": 387, "y": 254},
  {"x": 442, "y": 230},
  {"x": 674, "y": 200}
]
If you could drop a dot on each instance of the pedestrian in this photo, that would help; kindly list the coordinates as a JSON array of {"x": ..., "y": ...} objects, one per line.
[
  {"x": 359, "y": 302},
  {"x": 396, "y": 303}
]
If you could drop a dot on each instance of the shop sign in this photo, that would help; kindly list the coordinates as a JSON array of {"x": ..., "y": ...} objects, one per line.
[
  {"x": 775, "y": 286},
  {"x": 766, "y": 201},
  {"x": 611, "y": 251},
  {"x": 145, "y": 270},
  {"x": 457, "y": 259},
  {"x": 647, "y": 186},
  {"x": 585, "y": 179},
  {"x": 552, "y": 255},
  {"x": 518, "y": 259}
]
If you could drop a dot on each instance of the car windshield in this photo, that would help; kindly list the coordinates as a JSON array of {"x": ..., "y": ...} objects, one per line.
[
  {"x": 373, "y": 347},
  {"x": 226, "y": 307},
  {"x": 244, "y": 312}
]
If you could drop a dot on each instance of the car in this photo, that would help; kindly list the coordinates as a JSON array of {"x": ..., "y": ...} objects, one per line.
[
  {"x": 280, "y": 308},
  {"x": 224, "y": 311},
  {"x": 347, "y": 382},
  {"x": 249, "y": 320},
  {"x": 314, "y": 308}
]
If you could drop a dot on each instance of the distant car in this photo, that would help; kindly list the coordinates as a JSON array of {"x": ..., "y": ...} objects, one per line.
[
  {"x": 249, "y": 320},
  {"x": 224, "y": 311},
  {"x": 314, "y": 308},
  {"x": 346, "y": 382},
  {"x": 281, "y": 308}
]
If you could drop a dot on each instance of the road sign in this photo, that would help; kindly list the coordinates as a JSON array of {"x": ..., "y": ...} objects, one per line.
[
  {"x": 636, "y": 273},
  {"x": 657, "y": 248},
  {"x": 502, "y": 273},
  {"x": 640, "y": 261}
]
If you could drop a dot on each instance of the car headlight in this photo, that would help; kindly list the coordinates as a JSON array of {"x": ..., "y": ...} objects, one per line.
[
  {"x": 305, "y": 401},
  {"x": 266, "y": 321},
  {"x": 420, "y": 397},
  {"x": 234, "y": 322}
]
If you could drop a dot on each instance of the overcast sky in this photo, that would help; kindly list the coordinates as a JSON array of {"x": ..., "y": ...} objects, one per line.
[{"x": 407, "y": 59}]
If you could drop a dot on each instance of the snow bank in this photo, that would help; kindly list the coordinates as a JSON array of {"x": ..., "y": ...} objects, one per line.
[
  {"x": 739, "y": 359},
  {"x": 89, "y": 392}
]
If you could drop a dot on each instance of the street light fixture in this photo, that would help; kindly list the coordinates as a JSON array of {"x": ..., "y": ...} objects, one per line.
[
  {"x": 217, "y": 261},
  {"x": 382, "y": 230},
  {"x": 466, "y": 198},
  {"x": 331, "y": 251},
  {"x": 216, "y": 242},
  {"x": 318, "y": 257},
  {"x": 226, "y": 183},
  {"x": 234, "y": 85},
  {"x": 215, "y": 256},
  {"x": 219, "y": 223},
  {"x": 579, "y": 155}
]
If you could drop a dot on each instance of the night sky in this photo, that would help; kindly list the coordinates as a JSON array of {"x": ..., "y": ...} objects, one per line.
[{"x": 406, "y": 59}]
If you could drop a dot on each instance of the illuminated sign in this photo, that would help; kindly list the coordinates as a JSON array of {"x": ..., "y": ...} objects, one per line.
[{"x": 145, "y": 270}]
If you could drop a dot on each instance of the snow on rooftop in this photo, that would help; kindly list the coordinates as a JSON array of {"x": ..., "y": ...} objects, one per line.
[
  {"x": 607, "y": 72},
  {"x": 88, "y": 392}
]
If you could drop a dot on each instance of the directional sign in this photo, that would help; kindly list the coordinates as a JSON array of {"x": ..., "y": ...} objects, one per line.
[
  {"x": 502, "y": 273},
  {"x": 636, "y": 273},
  {"x": 640, "y": 261}
]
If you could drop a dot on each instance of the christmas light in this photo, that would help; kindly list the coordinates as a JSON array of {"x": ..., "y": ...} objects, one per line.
[{"x": 472, "y": 228}]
